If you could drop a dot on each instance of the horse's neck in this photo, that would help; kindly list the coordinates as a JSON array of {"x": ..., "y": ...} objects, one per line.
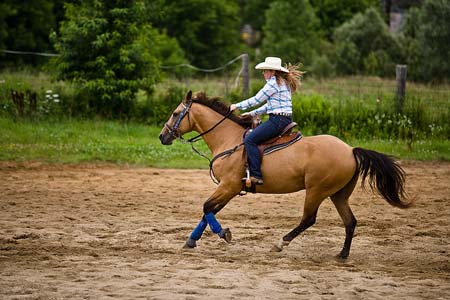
[{"x": 225, "y": 136}]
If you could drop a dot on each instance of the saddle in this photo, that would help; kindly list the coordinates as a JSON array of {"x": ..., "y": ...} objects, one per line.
[{"x": 286, "y": 138}]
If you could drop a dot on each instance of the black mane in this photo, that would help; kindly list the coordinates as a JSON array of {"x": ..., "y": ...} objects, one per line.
[{"x": 222, "y": 108}]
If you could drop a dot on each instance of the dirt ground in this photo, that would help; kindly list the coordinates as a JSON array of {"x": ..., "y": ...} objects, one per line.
[{"x": 108, "y": 232}]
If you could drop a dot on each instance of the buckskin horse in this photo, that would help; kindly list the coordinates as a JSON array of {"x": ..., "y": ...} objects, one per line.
[{"x": 323, "y": 165}]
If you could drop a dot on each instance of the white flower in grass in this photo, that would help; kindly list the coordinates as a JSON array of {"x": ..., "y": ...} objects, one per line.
[{"x": 48, "y": 91}]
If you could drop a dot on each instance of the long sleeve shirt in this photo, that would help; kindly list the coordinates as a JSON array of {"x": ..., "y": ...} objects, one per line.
[{"x": 278, "y": 99}]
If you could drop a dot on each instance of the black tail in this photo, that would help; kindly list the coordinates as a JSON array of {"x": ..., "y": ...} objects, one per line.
[{"x": 384, "y": 173}]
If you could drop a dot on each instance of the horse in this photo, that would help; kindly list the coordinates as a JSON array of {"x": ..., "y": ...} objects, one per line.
[{"x": 323, "y": 165}]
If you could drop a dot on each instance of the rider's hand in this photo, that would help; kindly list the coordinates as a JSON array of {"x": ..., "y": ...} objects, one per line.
[{"x": 232, "y": 107}]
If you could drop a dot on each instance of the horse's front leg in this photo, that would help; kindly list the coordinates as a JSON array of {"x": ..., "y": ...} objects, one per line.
[
  {"x": 196, "y": 234},
  {"x": 211, "y": 207}
]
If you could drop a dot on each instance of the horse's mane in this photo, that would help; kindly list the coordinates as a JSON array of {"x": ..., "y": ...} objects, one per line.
[{"x": 222, "y": 108}]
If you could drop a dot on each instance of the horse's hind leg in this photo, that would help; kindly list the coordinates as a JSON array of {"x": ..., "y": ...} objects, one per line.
[
  {"x": 340, "y": 200},
  {"x": 312, "y": 203}
]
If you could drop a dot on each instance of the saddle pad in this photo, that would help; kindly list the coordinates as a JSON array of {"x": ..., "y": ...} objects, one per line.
[{"x": 267, "y": 149}]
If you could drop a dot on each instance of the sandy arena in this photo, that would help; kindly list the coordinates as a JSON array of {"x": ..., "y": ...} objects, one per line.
[{"x": 108, "y": 232}]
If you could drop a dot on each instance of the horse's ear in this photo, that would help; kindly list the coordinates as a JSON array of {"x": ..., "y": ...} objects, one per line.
[{"x": 188, "y": 97}]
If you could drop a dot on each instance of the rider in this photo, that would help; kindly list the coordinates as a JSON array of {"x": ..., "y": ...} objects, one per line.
[{"x": 277, "y": 93}]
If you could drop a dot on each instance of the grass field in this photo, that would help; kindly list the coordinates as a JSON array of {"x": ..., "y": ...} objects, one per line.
[
  {"x": 74, "y": 141},
  {"x": 55, "y": 138},
  {"x": 91, "y": 141}
]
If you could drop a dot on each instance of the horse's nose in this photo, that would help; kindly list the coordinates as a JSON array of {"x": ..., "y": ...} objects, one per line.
[{"x": 165, "y": 139}]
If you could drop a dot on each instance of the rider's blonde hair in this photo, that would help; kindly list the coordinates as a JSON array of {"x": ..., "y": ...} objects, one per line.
[{"x": 293, "y": 78}]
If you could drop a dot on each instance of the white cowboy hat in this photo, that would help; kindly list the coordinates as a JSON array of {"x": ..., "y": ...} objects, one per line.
[{"x": 271, "y": 63}]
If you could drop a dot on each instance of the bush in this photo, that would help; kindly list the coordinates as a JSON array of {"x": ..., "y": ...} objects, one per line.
[
  {"x": 364, "y": 45},
  {"x": 434, "y": 38},
  {"x": 35, "y": 96},
  {"x": 408, "y": 38},
  {"x": 312, "y": 113},
  {"x": 109, "y": 50},
  {"x": 322, "y": 67},
  {"x": 348, "y": 118},
  {"x": 291, "y": 31},
  {"x": 158, "y": 107}
]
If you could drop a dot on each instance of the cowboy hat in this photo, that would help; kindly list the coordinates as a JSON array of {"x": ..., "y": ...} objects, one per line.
[{"x": 271, "y": 63}]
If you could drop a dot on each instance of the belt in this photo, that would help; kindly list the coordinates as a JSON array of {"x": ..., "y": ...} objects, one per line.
[{"x": 281, "y": 114}]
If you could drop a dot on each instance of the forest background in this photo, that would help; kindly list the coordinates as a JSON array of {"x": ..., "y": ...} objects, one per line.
[{"x": 69, "y": 68}]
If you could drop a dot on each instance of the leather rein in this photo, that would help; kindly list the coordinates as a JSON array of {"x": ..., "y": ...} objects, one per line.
[{"x": 176, "y": 134}]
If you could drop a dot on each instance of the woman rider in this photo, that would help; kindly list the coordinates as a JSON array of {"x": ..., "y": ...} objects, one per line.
[{"x": 281, "y": 83}]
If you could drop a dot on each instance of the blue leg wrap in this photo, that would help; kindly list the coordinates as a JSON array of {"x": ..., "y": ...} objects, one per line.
[
  {"x": 198, "y": 231},
  {"x": 213, "y": 223}
]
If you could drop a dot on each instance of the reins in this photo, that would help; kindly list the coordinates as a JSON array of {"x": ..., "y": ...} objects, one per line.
[
  {"x": 225, "y": 153},
  {"x": 196, "y": 138}
]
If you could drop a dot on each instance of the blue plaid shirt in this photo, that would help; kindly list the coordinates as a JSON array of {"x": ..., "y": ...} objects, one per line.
[{"x": 277, "y": 97}]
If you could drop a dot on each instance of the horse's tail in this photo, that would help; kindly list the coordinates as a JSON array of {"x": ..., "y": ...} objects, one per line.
[{"x": 384, "y": 173}]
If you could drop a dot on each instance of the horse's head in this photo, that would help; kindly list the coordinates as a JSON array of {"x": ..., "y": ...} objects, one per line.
[{"x": 177, "y": 124}]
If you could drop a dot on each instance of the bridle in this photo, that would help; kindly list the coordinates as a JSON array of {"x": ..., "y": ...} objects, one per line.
[{"x": 175, "y": 133}]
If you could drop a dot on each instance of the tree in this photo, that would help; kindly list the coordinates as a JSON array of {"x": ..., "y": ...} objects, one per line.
[
  {"x": 408, "y": 38},
  {"x": 253, "y": 12},
  {"x": 364, "y": 45},
  {"x": 5, "y": 11},
  {"x": 333, "y": 13},
  {"x": 109, "y": 50},
  {"x": 207, "y": 30},
  {"x": 25, "y": 26},
  {"x": 434, "y": 39},
  {"x": 291, "y": 31}
]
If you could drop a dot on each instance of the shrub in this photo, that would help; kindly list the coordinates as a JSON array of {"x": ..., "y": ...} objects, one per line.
[
  {"x": 364, "y": 44},
  {"x": 434, "y": 37},
  {"x": 321, "y": 67},
  {"x": 291, "y": 31},
  {"x": 312, "y": 113},
  {"x": 348, "y": 118},
  {"x": 109, "y": 50},
  {"x": 158, "y": 107}
]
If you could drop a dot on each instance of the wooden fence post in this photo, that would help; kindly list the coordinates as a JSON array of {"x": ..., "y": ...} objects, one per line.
[
  {"x": 245, "y": 75},
  {"x": 400, "y": 72}
]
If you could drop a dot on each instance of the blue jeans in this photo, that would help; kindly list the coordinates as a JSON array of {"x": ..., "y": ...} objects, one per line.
[{"x": 267, "y": 130}]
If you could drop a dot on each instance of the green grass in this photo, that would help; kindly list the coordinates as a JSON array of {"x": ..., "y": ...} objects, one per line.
[
  {"x": 75, "y": 141},
  {"x": 376, "y": 91},
  {"x": 431, "y": 149},
  {"x": 92, "y": 141}
]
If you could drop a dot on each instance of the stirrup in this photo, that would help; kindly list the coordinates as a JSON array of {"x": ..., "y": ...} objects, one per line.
[
  {"x": 257, "y": 181},
  {"x": 246, "y": 179},
  {"x": 249, "y": 181}
]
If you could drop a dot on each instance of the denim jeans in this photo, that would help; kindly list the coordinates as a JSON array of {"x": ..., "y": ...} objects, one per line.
[{"x": 267, "y": 130}]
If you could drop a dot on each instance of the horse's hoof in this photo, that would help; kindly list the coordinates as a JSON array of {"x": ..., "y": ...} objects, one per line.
[
  {"x": 275, "y": 248},
  {"x": 226, "y": 235},
  {"x": 341, "y": 256},
  {"x": 190, "y": 244},
  {"x": 279, "y": 247}
]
